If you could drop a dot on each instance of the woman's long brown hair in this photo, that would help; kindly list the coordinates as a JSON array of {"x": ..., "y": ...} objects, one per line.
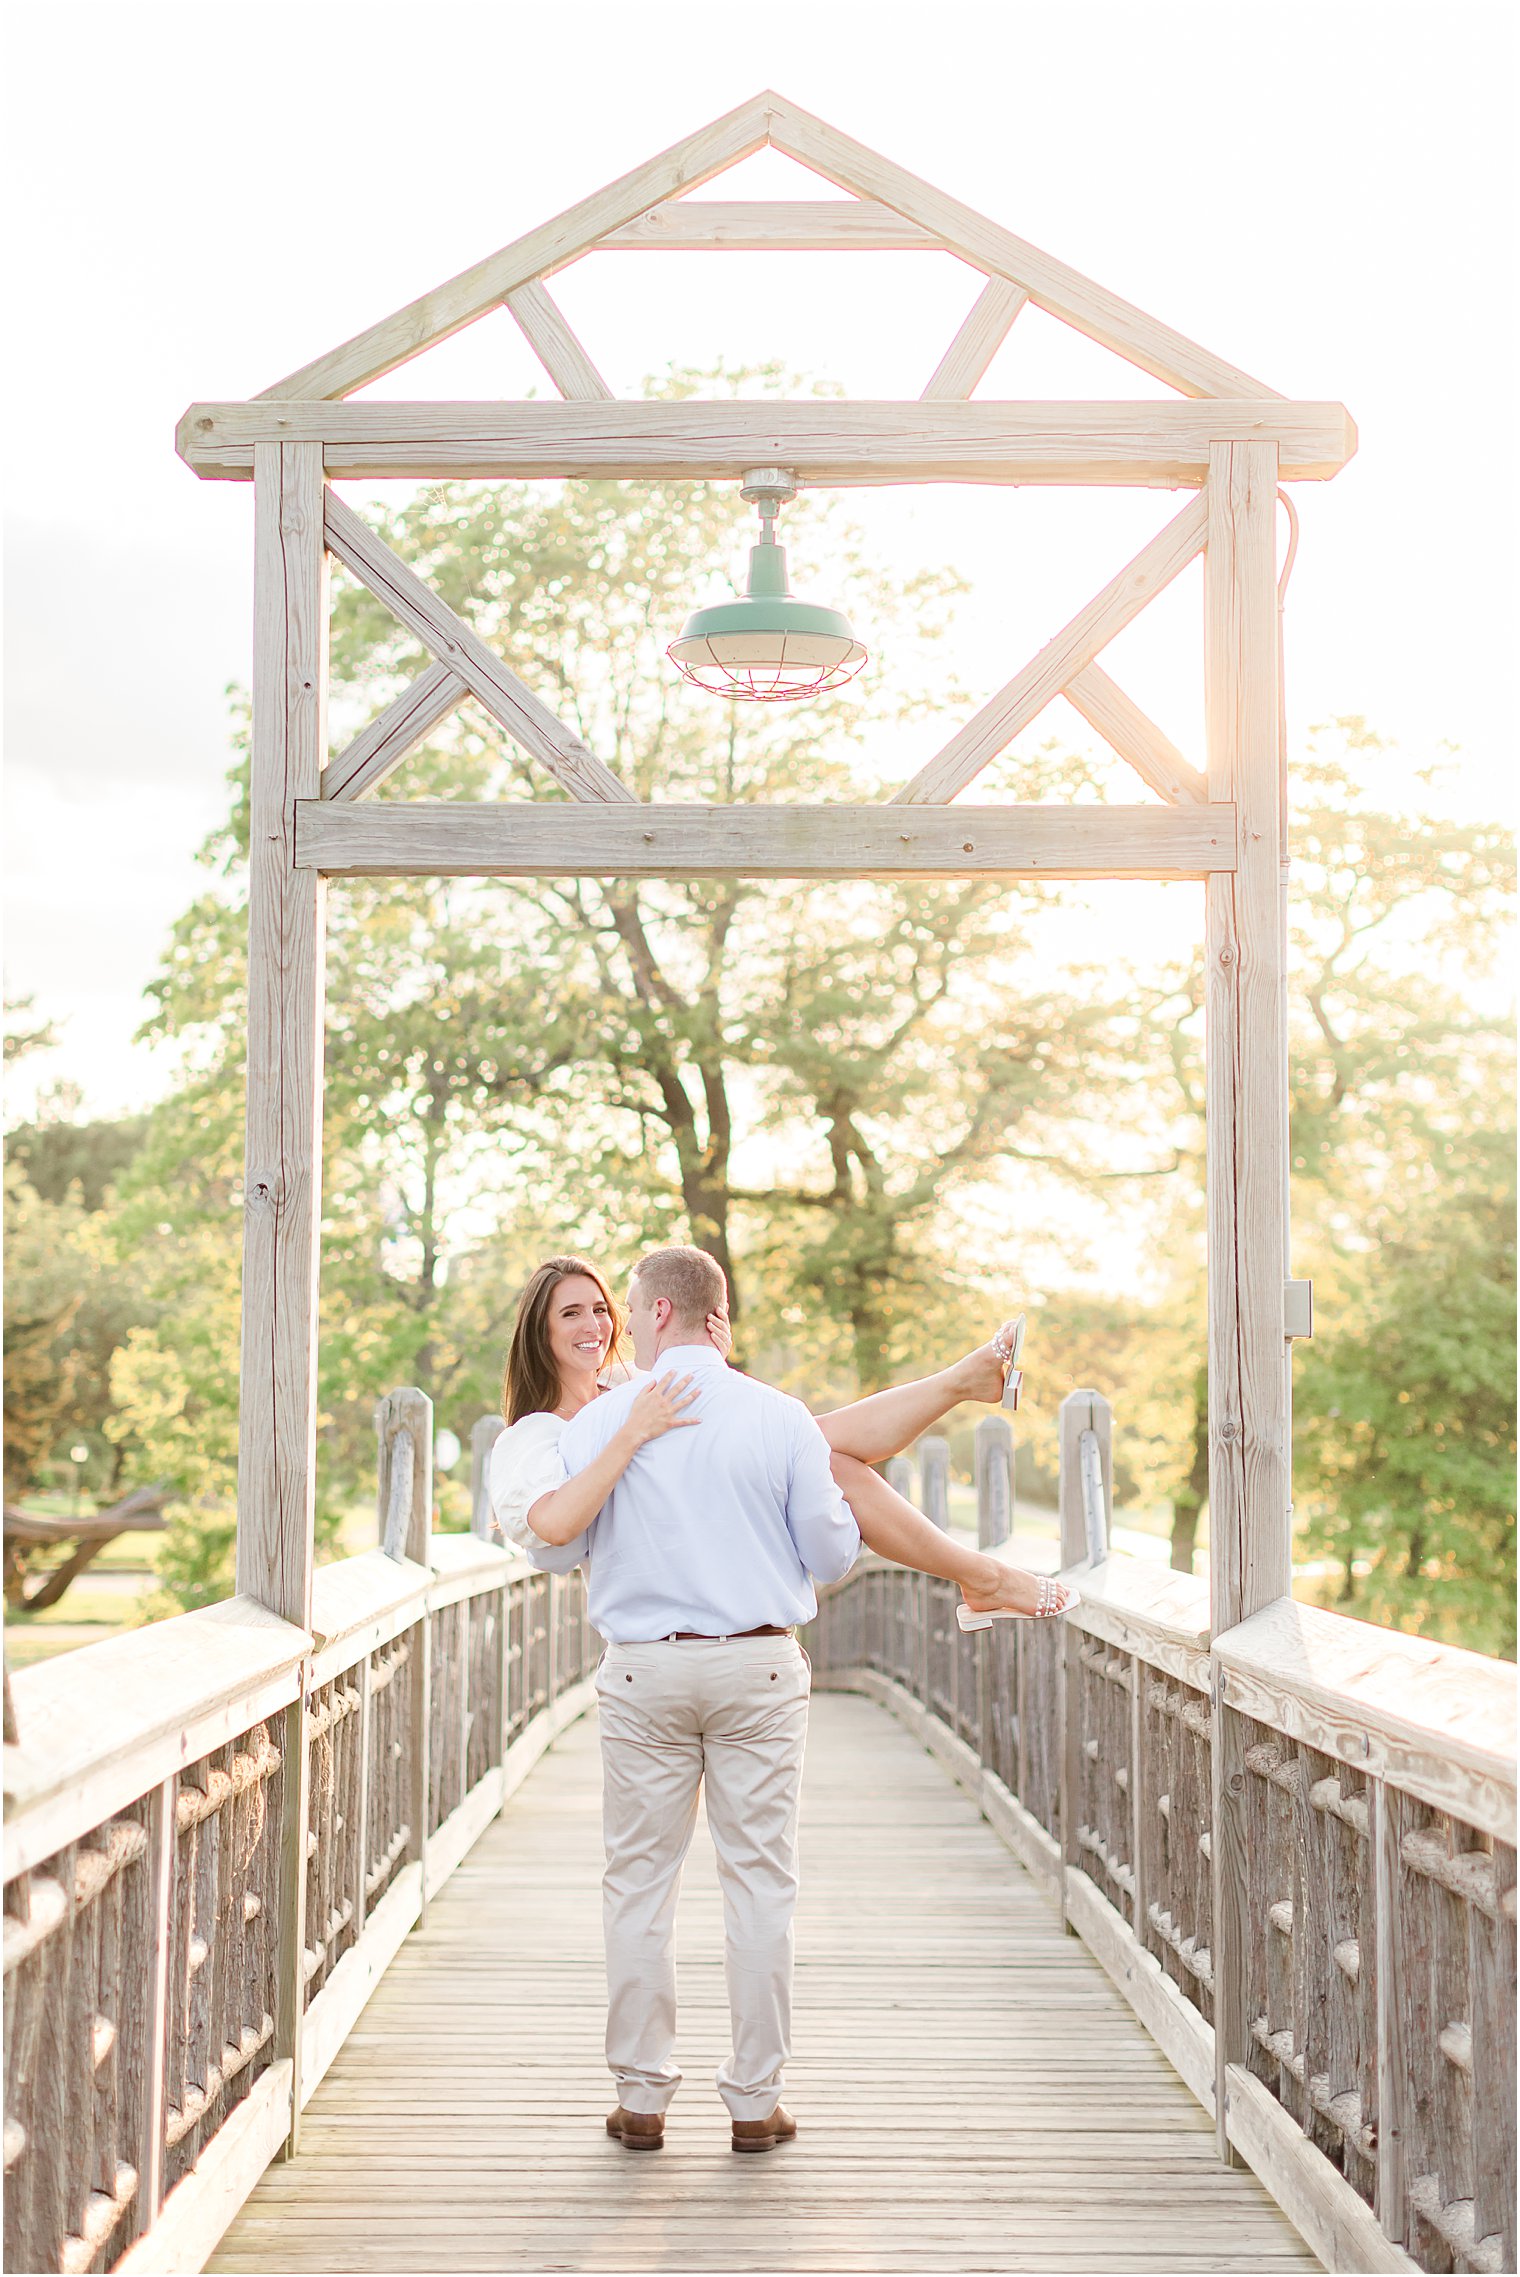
[{"x": 531, "y": 1384}]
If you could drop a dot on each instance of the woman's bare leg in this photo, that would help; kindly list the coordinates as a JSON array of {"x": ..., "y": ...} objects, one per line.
[
  {"x": 882, "y": 1425},
  {"x": 895, "y": 1530}
]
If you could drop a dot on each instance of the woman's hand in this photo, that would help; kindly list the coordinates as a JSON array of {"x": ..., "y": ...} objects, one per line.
[
  {"x": 659, "y": 1407},
  {"x": 719, "y": 1333}
]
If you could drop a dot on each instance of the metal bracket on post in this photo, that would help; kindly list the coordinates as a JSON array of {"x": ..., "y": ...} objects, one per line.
[{"x": 1298, "y": 1309}]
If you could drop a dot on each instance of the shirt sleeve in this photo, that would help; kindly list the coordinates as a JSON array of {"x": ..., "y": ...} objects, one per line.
[
  {"x": 817, "y": 1516},
  {"x": 525, "y": 1466}
]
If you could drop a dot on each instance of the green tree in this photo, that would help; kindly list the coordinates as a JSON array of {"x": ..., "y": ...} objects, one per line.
[
  {"x": 1399, "y": 1048},
  {"x": 792, "y": 1078}
]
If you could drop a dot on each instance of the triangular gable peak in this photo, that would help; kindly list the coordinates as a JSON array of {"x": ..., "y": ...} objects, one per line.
[{"x": 886, "y": 207}]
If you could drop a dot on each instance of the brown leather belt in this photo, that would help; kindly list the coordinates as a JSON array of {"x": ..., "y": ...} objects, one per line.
[{"x": 700, "y": 1636}]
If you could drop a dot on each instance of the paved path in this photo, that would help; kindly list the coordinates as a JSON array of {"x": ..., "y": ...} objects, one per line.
[{"x": 972, "y": 2092}]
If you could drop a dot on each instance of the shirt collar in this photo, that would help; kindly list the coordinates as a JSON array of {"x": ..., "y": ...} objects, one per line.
[{"x": 690, "y": 1356}]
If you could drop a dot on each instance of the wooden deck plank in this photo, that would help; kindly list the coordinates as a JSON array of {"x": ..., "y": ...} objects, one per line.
[{"x": 972, "y": 2092}]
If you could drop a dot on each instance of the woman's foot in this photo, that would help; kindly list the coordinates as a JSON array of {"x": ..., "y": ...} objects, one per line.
[
  {"x": 1013, "y": 1591},
  {"x": 984, "y": 1372}
]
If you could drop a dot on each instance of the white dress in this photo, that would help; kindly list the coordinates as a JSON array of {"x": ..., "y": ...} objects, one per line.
[{"x": 525, "y": 1466}]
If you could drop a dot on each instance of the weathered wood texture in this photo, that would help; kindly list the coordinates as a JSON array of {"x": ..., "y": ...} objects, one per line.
[
  {"x": 450, "y": 838},
  {"x": 211, "y": 1936},
  {"x": 1377, "y": 1972},
  {"x": 283, "y": 1158},
  {"x": 556, "y": 346},
  {"x": 1250, "y": 1561},
  {"x": 855, "y": 442},
  {"x": 449, "y": 307},
  {"x": 1007, "y": 713},
  {"x": 413, "y": 604},
  {"x": 1061, "y": 291},
  {"x": 966, "y": 359},
  {"x": 378, "y": 750},
  {"x": 462, "y": 2125},
  {"x": 770, "y": 225}
]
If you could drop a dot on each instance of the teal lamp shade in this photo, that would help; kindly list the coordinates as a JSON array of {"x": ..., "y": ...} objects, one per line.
[{"x": 765, "y": 646}]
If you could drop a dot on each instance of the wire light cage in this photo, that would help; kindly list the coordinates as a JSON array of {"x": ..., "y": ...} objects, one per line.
[{"x": 765, "y": 646}]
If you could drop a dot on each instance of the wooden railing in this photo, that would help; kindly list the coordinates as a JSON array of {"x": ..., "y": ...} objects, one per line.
[
  {"x": 218, "y": 1832},
  {"x": 1293, "y": 1851}
]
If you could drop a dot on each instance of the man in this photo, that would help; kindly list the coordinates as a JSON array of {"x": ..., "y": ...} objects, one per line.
[{"x": 698, "y": 1567}]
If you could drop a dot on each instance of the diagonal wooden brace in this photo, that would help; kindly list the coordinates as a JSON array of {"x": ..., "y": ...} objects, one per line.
[
  {"x": 378, "y": 750},
  {"x": 519, "y": 711},
  {"x": 1060, "y": 660}
]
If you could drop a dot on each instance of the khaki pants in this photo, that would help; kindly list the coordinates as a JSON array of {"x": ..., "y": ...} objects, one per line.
[{"x": 673, "y": 1715}]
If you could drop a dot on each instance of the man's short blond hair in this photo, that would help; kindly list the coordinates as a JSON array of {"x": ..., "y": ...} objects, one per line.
[{"x": 690, "y": 1280}]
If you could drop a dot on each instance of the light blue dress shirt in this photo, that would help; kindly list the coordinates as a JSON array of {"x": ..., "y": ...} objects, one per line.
[{"x": 711, "y": 1530}]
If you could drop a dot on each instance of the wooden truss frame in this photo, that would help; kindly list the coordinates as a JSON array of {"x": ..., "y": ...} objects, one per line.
[{"x": 1227, "y": 444}]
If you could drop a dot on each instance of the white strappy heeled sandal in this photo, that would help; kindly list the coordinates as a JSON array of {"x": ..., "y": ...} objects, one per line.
[
  {"x": 1008, "y": 1344},
  {"x": 1052, "y": 1599}
]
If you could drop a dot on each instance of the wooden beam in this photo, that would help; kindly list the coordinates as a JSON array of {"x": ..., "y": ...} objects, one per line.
[
  {"x": 556, "y": 346},
  {"x": 378, "y": 750},
  {"x": 770, "y": 225},
  {"x": 1250, "y": 1552},
  {"x": 1249, "y": 1558},
  {"x": 971, "y": 351},
  {"x": 449, "y": 839},
  {"x": 519, "y": 711},
  {"x": 451, "y": 306},
  {"x": 1135, "y": 737},
  {"x": 282, "y": 1176},
  {"x": 1060, "y": 660},
  {"x": 1110, "y": 443},
  {"x": 1051, "y": 285}
]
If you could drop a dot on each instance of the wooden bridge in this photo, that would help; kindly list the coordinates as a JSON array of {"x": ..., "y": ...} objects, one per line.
[{"x": 270, "y": 1889}]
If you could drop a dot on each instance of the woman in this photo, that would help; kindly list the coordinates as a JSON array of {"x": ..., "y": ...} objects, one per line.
[{"x": 568, "y": 1329}]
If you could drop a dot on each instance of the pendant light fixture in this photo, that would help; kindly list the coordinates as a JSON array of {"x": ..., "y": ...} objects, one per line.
[{"x": 765, "y": 647}]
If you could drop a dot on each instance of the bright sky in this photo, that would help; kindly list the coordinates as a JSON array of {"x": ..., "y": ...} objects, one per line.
[{"x": 206, "y": 195}]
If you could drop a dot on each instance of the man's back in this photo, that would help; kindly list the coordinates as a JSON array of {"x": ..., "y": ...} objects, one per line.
[{"x": 713, "y": 1529}]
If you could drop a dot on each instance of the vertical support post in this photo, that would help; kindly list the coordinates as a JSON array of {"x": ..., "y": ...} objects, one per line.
[
  {"x": 1250, "y": 1551},
  {"x": 282, "y": 1170},
  {"x": 1393, "y": 2094},
  {"x": 993, "y": 1444},
  {"x": 277, "y": 1423},
  {"x": 163, "y": 1809},
  {"x": 483, "y": 1438},
  {"x": 465, "y": 1711},
  {"x": 366, "y": 1744},
  {"x": 1082, "y": 1412}
]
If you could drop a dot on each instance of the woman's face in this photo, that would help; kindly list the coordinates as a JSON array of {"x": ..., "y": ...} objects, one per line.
[{"x": 580, "y": 1328}]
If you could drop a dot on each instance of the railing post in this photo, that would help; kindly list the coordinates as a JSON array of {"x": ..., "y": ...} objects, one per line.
[
  {"x": 1086, "y": 1419},
  {"x": 1391, "y": 2185},
  {"x": 162, "y": 1831},
  {"x": 404, "y": 1430},
  {"x": 1087, "y": 1450},
  {"x": 483, "y": 1438},
  {"x": 934, "y": 1471},
  {"x": 994, "y": 1481}
]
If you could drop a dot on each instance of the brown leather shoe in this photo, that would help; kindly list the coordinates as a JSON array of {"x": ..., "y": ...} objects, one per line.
[
  {"x": 764, "y": 2134},
  {"x": 637, "y": 2130}
]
